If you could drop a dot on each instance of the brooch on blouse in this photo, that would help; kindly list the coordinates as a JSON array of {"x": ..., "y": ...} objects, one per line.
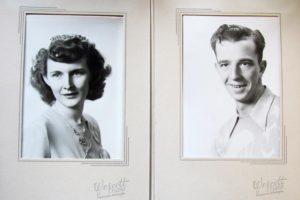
[{"x": 82, "y": 133}]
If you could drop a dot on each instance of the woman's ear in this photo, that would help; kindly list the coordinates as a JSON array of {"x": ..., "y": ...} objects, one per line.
[{"x": 46, "y": 79}]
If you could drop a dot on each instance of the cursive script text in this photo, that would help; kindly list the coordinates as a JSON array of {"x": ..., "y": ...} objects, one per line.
[
  {"x": 266, "y": 187},
  {"x": 105, "y": 189}
]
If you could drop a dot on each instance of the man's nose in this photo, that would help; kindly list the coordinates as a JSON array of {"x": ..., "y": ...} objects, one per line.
[{"x": 235, "y": 72}]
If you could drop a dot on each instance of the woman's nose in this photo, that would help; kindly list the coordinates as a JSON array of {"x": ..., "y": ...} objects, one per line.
[{"x": 68, "y": 82}]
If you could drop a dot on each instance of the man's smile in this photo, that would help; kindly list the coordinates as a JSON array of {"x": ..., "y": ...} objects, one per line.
[{"x": 237, "y": 85}]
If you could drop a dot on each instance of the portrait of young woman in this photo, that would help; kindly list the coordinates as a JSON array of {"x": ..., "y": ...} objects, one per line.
[{"x": 68, "y": 75}]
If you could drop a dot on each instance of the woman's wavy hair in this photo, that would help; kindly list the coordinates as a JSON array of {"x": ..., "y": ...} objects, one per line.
[{"x": 69, "y": 49}]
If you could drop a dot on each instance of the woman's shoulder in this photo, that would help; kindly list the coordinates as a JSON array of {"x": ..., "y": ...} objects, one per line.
[
  {"x": 90, "y": 119},
  {"x": 39, "y": 126},
  {"x": 104, "y": 154},
  {"x": 91, "y": 122},
  {"x": 39, "y": 121},
  {"x": 93, "y": 127},
  {"x": 35, "y": 138}
]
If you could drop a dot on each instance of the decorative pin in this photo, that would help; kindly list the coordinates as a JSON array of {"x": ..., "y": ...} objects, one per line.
[{"x": 82, "y": 140}]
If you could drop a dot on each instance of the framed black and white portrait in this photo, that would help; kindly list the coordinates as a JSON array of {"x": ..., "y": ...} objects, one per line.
[
  {"x": 231, "y": 87},
  {"x": 73, "y": 97}
]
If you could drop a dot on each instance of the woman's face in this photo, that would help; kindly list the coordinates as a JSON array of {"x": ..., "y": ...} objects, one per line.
[{"x": 69, "y": 82}]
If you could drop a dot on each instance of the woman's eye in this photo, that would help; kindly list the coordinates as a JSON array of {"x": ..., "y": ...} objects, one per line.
[
  {"x": 56, "y": 75},
  {"x": 78, "y": 73}
]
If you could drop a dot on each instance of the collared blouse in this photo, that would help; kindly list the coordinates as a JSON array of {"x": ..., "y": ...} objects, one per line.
[{"x": 50, "y": 136}]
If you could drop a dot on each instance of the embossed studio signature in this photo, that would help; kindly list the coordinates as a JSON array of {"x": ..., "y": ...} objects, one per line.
[
  {"x": 267, "y": 187},
  {"x": 105, "y": 189}
]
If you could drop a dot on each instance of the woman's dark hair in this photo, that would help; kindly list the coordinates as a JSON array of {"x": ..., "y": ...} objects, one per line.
[{"x": 69, "y": 49}]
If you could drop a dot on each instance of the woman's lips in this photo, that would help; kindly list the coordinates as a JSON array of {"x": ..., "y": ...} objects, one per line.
[{"x": 70, "y": 94}]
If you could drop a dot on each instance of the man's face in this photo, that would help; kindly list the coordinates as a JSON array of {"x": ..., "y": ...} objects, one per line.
[{"x": 240, "y": 71}]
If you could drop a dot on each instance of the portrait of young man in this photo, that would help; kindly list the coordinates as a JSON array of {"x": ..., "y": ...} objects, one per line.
[
  {"x": 235, "y": 110},
  {"x": 254, "y": 130}
]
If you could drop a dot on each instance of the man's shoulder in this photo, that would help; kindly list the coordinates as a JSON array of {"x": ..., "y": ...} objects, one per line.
[
  {"x": 276, "y": 101},
  {"x": 270, "y": 95},
  {"x": 274, "y": 112},
  {"x": 275, "y": 105},
  {"x": 223, "y": 133},
  {"x": 227, "y": 125}
]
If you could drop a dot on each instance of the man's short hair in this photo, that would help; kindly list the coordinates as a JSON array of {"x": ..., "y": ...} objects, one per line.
[{"x": 236, "y": 33}]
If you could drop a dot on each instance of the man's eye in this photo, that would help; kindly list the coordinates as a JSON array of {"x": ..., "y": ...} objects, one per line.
[
  {"x": 246, "y": 64},
  {"x": 223, "y": 64}
]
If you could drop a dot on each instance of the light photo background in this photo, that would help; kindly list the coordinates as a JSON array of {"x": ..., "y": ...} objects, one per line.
[
  {"x": 108, "y": 33},
  {"x": 206, "y": 103}
]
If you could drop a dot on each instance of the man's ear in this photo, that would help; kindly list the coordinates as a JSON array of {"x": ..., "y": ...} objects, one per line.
[
  {"x": 263, "y": 66},
  {"x": 216, "y": 65}
]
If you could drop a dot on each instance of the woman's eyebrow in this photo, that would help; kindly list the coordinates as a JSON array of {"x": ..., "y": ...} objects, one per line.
[
  {"x": 55, "y": 71},
  {"x": 79, "y": 70}
]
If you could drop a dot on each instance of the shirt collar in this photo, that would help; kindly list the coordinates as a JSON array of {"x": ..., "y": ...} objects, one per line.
[{"x": 261, "y": 109}]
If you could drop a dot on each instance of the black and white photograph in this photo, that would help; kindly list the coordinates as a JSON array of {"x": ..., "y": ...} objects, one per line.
[
  {"x": 231, "y": 87},
  {"x": 73, "y": 98}
]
